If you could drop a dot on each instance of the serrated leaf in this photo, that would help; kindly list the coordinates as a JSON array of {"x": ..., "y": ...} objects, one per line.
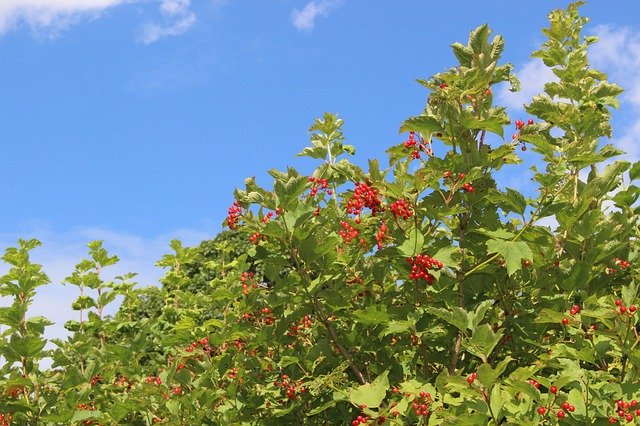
[
  {"x": 513, "y": 252},
  {"x": 371, "y": 394}
]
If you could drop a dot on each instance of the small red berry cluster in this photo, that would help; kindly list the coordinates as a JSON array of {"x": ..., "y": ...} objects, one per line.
[
  {"x": 365, "y": 196},
  {"x": 420, "y": 266},
  {"x": 153, "y": 380},
  {"x": 360, "y": 420},
  {"x": 266, "y": 218},
  {"x": 305, "y": 323},
  {"x": 575, "y": 309},
  {"x": 466, "y": 186},
  {"x": 87, "y": 407},
  {"x": 348, "y": 232},
  {"x": 416, "y": 146},
  {"x": 291, "y": 387},
  {"x": 562, "y": 410},
  {"x": 96, "y": 380},
  {"x": 319, "y": 183},
  {"x": 623, "y": 264},
  {"x": 519, "y": 125},
  {"x": 627, "y": 410},
  {"x": 204, "y": 343},
  {"x": 261, "y": 316},
  {"x": 624, "y": 310},
  {"x": 472, "y": 378},
  {"x": 6, "y": 419},
  {"x": 420, "y": 405},
  {"x": 233, "y": 373},
  {"x": 122, "y": 381},
  {"x": 233, "y": 215},
  {"x": 256, "y": 238},
  {"x": 401, "y": 208},
  {"x": 246, "y": 278},
  {"x": 534, "y": 383},
  {"x": 381, "y": 235}
]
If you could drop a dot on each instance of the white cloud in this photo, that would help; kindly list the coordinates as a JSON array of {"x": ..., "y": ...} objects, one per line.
[
  {"x": 178, "y": 19},
  {"x": 618, "y": 54},
  {"x": 61, "y": 251},
  {"x": 305, "y": 19},
  {"x": 533, "y": 75},
  {"x": 52, "y": 15}
]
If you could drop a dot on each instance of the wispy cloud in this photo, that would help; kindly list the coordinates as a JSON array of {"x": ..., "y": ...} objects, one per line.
[
  {"x": 304, "y": 19},
  {"x": 51, "y": 15},
  {"x": 618, "y": 54},
  {"x": 178, "y": 18},
  {"x": 532, "y": 75},
  {"x": 61, "y": 251}
]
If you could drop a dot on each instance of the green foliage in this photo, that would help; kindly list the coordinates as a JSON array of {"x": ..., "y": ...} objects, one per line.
[{"x": 416, "y": 293}]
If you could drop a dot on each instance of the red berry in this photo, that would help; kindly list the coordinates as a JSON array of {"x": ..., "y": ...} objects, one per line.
[
  {"x": 553, "y": 389},
  {"x": 572, "y": 408},
  {"x": 629, "y": 417},
  {"x": 541, "y": 410},
  {"x": 530, "y": 121},
  {"x": 632, "y": 309},
  {"x": 618, "y": 302},
  {"x": 561, "y": 414},
  {"x": 623, "y": 309},
  {"x": 470, "y": 379},
  {"x": 565, "y": 321}
]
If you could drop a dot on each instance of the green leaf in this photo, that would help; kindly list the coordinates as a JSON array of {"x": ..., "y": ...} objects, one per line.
[
  {"x": 423, "y": 124},
  {"x": 634, "y": 172},
  {"x": 372, "y": 315},
  {"x": 455, "y": 316},
  {"x": 483, "y": 341},
  {"x": 371, "y": 394},
  {"x": 513, "y": 252},
  {"x": 413, "y": 244}
]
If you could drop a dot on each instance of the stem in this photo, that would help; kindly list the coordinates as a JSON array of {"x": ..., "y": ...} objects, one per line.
[{"x": 334, "y": 338}]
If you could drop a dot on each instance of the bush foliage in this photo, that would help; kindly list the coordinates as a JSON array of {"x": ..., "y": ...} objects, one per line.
[{"x": 415, "y": 292}]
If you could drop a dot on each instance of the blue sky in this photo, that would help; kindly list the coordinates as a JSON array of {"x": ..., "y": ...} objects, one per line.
[{"x": 133, "y": 121}]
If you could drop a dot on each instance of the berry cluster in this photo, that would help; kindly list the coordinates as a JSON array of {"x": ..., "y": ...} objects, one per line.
[
  {"x": 233, "y": 215},
  {"x": 624, "y": 310},
  {"x": 412, "y": 144},
  {"x": 122, "y": 381},
  {"x": 95, "y": 380},
  {"x": 87, "y": 407},
  {"x": 401, "y": 208},
  {"x": 256, "y": 237},
  {"x": 348, "y": 232},
  {"x": 519, "y": 125},
  {"x": 420, "y": 404},
  {"x": 364, "y": 196},
  {"x": 534, "y": 383},
  {"x": 626, "y": 410},
  {"x": 562, "y": 410},
  {"x": 266, "y": 218},
  {"x": 420, "y": 266},
  {"x": 575, "y": 309},
  {"x": 291, "y": 387},
  {"x": 472, "y": 378},
  {"x": 6, "y": 419},
  {"x": 204, "y": 343},
  {"x": 261, "y": 316},
  {"x": 246, "y": 278},
  {"x": 319, "y": 183},
  {"x": 381, "y": 235},
  {"x": 466, "y": 186},
  {"x": 623, "y": 264},
  {"x": 305, "y": 323},
  {"x": 153, "y": 380}
]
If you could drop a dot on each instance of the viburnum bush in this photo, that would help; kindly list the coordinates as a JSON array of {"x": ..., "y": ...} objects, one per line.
[{"x": 418, "y": 292}]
